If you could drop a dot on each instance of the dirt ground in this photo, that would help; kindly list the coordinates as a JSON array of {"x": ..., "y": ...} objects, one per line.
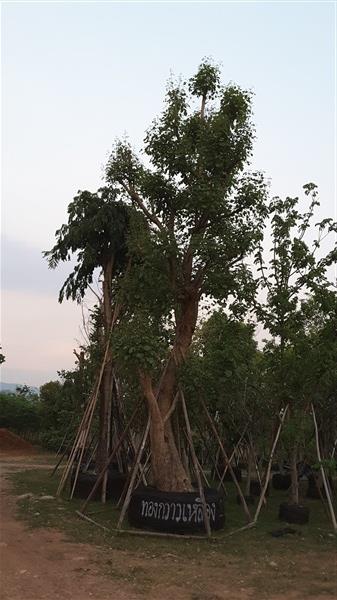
[
  {"x": 41, "y": 564},
  {"x": 14, "y": 444}
]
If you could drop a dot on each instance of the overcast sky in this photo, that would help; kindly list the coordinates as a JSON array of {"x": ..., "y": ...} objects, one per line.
[{"x": 77, "y": 75}]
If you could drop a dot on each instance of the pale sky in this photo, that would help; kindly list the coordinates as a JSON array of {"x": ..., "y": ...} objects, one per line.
[{"x": 77, "y": 75}]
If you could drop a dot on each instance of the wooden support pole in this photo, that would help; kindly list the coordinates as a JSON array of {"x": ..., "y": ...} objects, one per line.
[
  {"x": 76, "y": 446},
  {"x": 134, "y": 474},
  {"x": 201, "y": 470},
  {"x": 224, "y": 454},
  {"x": 141, "y": 533},
  {"x": 334, "y": 448},
  {"x": 271, "y": 456},
  {"x": 212, "y": 459},
  {"x": 229, "y": 461},
  {"x": 142, "y": 470},
  {"x": 110, "y": 459},
  {"x": 256, "y": 465},
  {"x": 86, "y": 420},
  {"x": 58, "y": 462},
  {"x": 325, "y": 483},
  {"x": 84, "y": 441},
  {"x": 196, "y": 468}
]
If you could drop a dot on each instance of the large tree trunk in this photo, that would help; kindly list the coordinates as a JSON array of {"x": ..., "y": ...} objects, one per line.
[{"x": 168, "y": 471}]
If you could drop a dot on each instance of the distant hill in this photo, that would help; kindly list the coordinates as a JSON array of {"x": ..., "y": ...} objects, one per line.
[{"x": 11, "y": 387}]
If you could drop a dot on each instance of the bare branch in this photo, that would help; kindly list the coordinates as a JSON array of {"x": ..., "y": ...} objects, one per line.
[{"x": 95, "y": 293}]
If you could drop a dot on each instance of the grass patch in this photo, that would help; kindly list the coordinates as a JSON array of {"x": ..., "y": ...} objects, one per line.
[
  {"x": 60, "y": 513},
  {"x": 246, "y": 556}
]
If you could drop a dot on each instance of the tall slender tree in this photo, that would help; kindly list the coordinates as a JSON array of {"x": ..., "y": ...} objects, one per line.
[
  {"x": 95, "y": 234},
  {"x": 290, "y": 275}
]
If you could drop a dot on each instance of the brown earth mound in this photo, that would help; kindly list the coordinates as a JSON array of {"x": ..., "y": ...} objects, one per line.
[{"x": 12, "y": 443}]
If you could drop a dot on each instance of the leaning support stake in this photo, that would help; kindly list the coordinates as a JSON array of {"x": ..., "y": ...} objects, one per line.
[
  {"x": 325, "y": 483},
  {"x": 224, "y": 454},
  {"x": 271, "y": 456},
  {"x": 216, "y": 470},
  {"x": 84, "y": 427},
  {"x": 256, "y": 465},
  {"x": 110, "y": 459},
  {"x": 196, "y": 467},
  {"x": 142, "y": 532},
  {"x": 134, "y": 474},
  {"x": 231, "y": 457}
]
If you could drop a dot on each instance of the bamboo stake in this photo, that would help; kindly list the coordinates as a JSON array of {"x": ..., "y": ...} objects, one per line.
[
  {"x": 72, "y": 453},
  {"x": 143, "y": 470},
  {"x": 248, "y": 526},
  {"x": 85, "y": 417},
  {"x": 141, "y": 475},
  {"x": 84, "y": 441},
  {"x": 110, "y": 459},
  {"x": 325, "y": 483},
  {"x": 196, "y": 468},
  {"x": 58, "y": 462},
  {"x": 271, "y": 456},
  {"x": 224, "y": 454},
  {"x": 142, "y": 532},
  {"x": 229, "y": 461},
  {"x": 134, "y": 473},
  {"x": 201, "y": 470},
  {"x": 105, "y": 477},
  {"x": 61, "y": 445},
  {"x": 88, "y": 413},
  {"x": 212, "y": 459},
  {"x": 86, "y": 518},
  {"x": 256, "y": 465},
  {"x": 91, "y": 456}
]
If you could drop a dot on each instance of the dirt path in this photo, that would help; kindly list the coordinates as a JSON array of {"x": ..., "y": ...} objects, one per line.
[{"x": 41, "y": 564}]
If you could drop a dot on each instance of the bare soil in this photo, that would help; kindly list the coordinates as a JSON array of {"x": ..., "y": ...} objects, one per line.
[
  {"x": 41, "y": 564},
  {"x": 14, "y": 444}
]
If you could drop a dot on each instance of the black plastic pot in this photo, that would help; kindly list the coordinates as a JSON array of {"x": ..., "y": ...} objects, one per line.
[
  {"x": 175, "y": 512},
  {"x": 250, "y": 500},
  {"x": 86, "y": 480},
  {"x": 281, "y": 482},
  {"x": 294, "y": 513}
]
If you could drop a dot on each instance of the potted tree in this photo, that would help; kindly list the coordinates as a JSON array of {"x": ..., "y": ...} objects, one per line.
[
  {"x": 291, "y": 273},
  {"x": 204, "y": 214}
]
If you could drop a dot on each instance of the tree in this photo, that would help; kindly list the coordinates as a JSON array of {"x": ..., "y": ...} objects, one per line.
[
  {"x": 223, "y": 369},
  {"x": 96, "y": 233},
  {"x": 320, "y": 364},
  {"x": 204, "y": 215},
  {"x": 20, "y": 413},
  {"x": 290, "y": 277},
  {"x": 2, "y": 357}
]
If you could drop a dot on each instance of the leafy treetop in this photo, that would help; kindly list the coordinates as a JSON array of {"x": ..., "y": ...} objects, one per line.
[{"x": 95, "y": 230}]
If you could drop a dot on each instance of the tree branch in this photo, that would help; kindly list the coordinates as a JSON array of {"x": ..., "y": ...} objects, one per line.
[{"x": 138, "y": 200}]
